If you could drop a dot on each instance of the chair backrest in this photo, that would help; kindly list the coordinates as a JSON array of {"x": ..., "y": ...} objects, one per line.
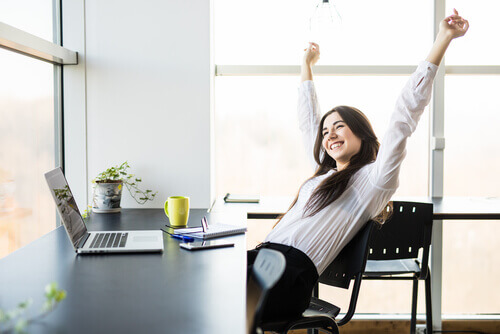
[
  {"x": 349, "y": 264},
  {"x": 267, "y": 270},
  {"x": 404, "y": 233}
]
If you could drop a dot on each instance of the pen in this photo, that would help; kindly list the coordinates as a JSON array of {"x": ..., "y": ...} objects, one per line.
[{"x": 179, "y": 237}]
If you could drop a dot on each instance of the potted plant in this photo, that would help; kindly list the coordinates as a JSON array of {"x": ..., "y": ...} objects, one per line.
[{"x": 108, "y": 187}]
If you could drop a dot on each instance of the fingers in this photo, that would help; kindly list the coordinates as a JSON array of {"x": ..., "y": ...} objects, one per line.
[
  {"x": 456, "y": 24},
  {"x": 312, "y": 47},
  {"x": 455, "y": 17},
  {"x": 466, "y": 26},
  {"x": 452, "y": 18}
]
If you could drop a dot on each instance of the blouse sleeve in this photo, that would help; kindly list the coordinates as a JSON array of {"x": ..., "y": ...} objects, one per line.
[
  {"x": 309, "y": 117},
  {"x": 410, "y": 105}
]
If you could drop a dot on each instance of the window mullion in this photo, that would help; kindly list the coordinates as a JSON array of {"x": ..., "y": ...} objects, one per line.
[{"x": 436, "y": 175}]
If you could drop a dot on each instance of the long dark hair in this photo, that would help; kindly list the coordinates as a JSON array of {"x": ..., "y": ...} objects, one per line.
[{"x": 334, "y": 186}]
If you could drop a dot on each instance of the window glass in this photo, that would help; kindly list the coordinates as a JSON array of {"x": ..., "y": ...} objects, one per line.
[
  {"x": 470, "y": 267},
  {"x": 275, "y": 32},
  {"x": 259, "y": 146},
  {"x": 33, "y": 16},
  {"x": 480, "y": 46},
  {"x": 472, "y": 115},
  {"x": 472, "y": 162},
  {"x": 27, "y": 150}
]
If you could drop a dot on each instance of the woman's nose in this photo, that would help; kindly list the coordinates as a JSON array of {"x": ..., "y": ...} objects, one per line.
[{"x": 332, "y": 134}]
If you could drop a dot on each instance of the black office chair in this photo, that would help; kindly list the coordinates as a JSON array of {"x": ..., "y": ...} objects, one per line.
[
  {"x": 394, "y": 249},
  {"x": 267, "y": 270},
  {"x": 349, "y": 264}
]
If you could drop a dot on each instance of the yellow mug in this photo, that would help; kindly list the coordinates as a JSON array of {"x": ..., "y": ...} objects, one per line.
[{"x": 177, "y": 210}]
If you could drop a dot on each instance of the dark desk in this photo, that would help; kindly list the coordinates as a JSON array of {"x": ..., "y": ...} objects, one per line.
[{"x": 174, "y": 292}]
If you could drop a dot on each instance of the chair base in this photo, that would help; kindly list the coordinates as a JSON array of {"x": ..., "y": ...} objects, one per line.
[{"x": 320, "y": 314}]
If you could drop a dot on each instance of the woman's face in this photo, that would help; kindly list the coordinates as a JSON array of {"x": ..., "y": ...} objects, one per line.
[{"x": 339, "y": 141}]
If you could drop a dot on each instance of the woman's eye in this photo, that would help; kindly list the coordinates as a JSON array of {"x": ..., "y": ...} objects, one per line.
[
  {"x": 325, "y": 133},
  {"x": 340, "y": 126}
]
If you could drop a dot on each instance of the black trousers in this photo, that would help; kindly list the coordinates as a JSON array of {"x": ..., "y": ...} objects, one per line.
[{"x": 291, "y": 295}]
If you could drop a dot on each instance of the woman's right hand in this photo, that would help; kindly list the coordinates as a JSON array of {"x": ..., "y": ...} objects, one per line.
[
  {"x": 454, "y": 25},
  {"x": 312, "y": 54}
]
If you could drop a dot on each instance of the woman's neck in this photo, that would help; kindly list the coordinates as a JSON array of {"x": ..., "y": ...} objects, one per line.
[{"x": 341, "y": 166}]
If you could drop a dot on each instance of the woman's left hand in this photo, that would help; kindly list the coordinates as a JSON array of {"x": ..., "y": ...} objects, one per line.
[{"x": 454, "y": 25}]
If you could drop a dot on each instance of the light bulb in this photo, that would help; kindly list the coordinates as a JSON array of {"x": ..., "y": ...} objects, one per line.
[{"x": 325, "y": 22}]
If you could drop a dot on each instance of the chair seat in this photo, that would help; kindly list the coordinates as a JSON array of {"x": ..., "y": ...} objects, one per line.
[
  {"x": 320, "y": 306},
  {"x": 391, "y": 267},
  {"x": 320, "y": 313}
]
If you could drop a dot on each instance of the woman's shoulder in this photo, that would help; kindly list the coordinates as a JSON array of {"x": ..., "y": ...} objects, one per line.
[
  {"x": 363, "y": 174},
  {"x": 366, "y": 169}
]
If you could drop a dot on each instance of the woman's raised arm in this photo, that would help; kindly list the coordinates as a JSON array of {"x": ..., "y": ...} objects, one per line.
[
  {"x": 451, "y": 27},
  {"x": 308, "y": 106},
  {"x": 410, "y": 105}
]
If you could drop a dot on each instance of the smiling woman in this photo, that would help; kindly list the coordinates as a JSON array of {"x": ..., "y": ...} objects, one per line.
[{"x": 353, "y": 181}]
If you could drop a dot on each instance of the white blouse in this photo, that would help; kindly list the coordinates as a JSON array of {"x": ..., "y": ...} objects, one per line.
[{"x": 323, "y": 235}]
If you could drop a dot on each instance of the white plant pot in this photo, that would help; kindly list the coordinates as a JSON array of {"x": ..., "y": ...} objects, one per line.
[{"x": 107, "y": 197}]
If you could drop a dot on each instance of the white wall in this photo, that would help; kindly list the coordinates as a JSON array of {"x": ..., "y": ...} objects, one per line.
[{"x": 148, "y": 88}]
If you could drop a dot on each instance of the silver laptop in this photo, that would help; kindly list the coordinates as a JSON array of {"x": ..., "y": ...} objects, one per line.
[{"x": 99, "y": 241}]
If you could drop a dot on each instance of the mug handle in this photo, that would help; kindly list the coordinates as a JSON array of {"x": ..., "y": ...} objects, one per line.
[{"x": 166, "y": 208}]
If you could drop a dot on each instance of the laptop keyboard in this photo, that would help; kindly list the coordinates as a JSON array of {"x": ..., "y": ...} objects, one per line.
[{"x": 109, "y": 240}]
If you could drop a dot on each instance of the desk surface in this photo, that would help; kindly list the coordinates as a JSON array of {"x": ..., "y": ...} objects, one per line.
[
  {"x": 444, "y": 208},
  {"x": 175, "y": 292}
]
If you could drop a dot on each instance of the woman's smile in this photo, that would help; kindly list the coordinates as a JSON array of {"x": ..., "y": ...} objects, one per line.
[{"x": 335, "y": 145}]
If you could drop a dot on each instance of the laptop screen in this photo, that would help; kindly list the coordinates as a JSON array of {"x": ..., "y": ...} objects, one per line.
[{"x": 66, "y": 205}]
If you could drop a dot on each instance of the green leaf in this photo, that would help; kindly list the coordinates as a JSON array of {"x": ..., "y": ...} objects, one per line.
[
  {"x": 61, "y": 295},
  {"x": 25, "y": 304},
  {"x": 21, "y": 326},
  {"x": 4, "y": 317},
  {"x": 50, "y": 290}
]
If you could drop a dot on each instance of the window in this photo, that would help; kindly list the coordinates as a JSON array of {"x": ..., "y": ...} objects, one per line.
[
  {"x": 476, "y": 49},
  {"x": 33, "y": 16},
  {"x": 471, "y": 169},
  {"x": 28, "y": 130},
  {"x": 27, "y": 149}
]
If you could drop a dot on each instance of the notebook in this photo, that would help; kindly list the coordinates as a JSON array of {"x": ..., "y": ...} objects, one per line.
[
  {"x": 232, "y": 198},
  {"x": 211, "y": 231}
]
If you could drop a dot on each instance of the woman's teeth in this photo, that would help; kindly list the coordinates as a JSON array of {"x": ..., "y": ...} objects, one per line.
[{"x": 335, "y": 145}]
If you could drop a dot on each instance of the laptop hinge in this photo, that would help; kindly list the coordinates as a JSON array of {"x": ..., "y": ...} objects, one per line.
[{"x": 83, "y": 240}]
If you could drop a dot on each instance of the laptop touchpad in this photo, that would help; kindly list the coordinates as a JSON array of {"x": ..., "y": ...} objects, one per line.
[{"x": 145, "y": 238}]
